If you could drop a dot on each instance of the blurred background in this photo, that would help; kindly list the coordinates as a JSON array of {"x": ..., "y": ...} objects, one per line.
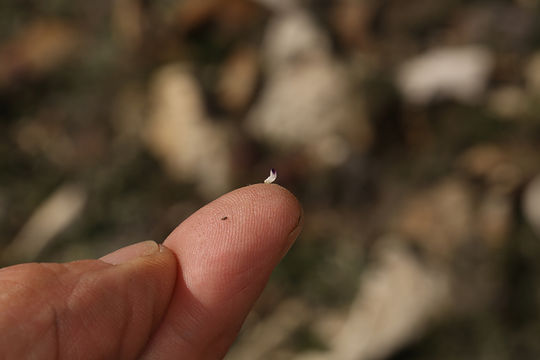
[{"x": 409, "y": 130}]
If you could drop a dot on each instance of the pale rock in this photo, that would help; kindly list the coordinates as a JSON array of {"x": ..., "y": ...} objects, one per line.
[
  {"x": 396, "y": 301},
  {"x": 293, "y": 36},
  {"x": 238, "y": 79},
  {"x": 267, "y": 335},
  {"x": 307, "y": 104},
  {"x": 458, "y": 73},
  {"x": 328, "y": 323},
  {"x": 47, "y": 221},
  {"x": 191, "y": 147},
  {"x": 332, "y": 150}
]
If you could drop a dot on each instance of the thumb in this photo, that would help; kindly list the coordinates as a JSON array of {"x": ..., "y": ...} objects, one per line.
[{"x": 91, "y": 309}]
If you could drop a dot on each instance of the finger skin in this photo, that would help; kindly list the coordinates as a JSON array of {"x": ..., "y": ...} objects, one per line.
[
  {"x": 226, "y": 251},
  {"x": 84, "y": 310}
]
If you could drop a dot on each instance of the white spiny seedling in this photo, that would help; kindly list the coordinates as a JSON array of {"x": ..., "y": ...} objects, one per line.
[{"x": 273, "y": 175}]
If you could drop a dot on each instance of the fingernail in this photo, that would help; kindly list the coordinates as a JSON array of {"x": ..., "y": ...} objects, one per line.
[
  {"x": 131, "y": 252},
  {"x": 294, "y": 233}
]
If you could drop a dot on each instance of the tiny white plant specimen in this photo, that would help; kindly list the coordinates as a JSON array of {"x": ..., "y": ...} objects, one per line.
[{"x": 273, "y": 175}]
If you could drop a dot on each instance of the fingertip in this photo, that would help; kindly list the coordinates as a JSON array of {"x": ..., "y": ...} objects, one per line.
[
  {"x": 277, "y": 201},
  {"x": 245, "y": 225},
  {"x": 287, "y": 203}
]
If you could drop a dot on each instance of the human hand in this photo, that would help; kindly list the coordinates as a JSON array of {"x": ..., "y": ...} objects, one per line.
[{"x": 184, "y": 300}]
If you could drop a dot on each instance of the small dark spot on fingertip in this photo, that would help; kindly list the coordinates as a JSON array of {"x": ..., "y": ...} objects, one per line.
[{"x": 224, "y": 218}]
